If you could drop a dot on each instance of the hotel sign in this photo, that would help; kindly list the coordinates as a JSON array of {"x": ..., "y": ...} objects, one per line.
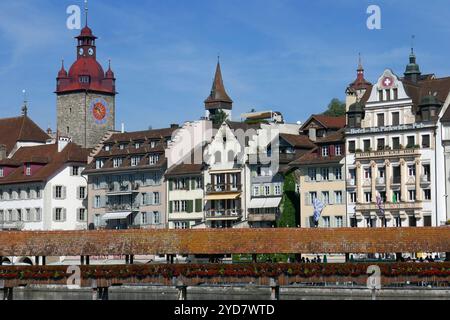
[{"x": 403, "y": 127}]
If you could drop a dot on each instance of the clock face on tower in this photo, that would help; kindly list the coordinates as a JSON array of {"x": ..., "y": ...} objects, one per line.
[{"x": 100, "y": 111}]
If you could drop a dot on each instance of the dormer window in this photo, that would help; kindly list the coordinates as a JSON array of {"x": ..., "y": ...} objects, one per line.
[
  {"x": 153, "y": 159},
  {"x": 137, "y": 145},
  {"x": 117, "y": 162},
  {"x": 85, "y": 79},
  {"x": 122, "y": 146},
  {"x": 152, "y": 144},
  {"x": 107, "y": 148},
  {"x": 325, "y": 152},
  {"x": 135, "y": 161},
  {"x": 99, "y": 164},
  {"x": 28, "y": 169}
]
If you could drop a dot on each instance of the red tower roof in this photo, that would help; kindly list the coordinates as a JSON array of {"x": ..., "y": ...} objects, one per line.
[
  {"x": 86, "y": 73},
  {"x": 360, "y": 83}
]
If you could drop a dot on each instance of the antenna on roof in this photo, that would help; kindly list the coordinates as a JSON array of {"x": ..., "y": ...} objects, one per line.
[
  {"x": 86, "y": 10},
  {"x": 25, "y": 102}
]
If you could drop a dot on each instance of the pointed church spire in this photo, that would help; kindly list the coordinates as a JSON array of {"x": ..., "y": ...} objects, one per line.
[
  {"x": 218, "y": 98},
  {"x": 360, "y": 83},
  {"x": 412, "y": 72},
  {"x": 25, "y": 103}
]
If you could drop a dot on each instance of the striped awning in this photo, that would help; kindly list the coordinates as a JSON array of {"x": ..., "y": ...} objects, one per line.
[
  {"x": 225, "y": 196},
  {"x": 116, "y": 215},
  {"x": 261, "y": 203}
]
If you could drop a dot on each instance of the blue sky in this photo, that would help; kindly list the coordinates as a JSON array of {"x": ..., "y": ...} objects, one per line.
[{"x": 287, "y": 55}]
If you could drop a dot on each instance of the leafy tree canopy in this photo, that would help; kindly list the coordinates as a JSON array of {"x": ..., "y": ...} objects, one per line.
[{"x": 336, "y": 108}]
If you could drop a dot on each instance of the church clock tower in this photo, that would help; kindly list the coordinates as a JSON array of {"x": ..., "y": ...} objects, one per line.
[{"x": 85, "y": 95}]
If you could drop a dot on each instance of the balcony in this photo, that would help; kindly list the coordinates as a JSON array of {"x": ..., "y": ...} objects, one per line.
[
  {"x": 223, "y": 188},
  {"x": 12, "y": 225},
  {"x": 383, "y": 154},
  {"x": 224, "y": 214},
  {"x": 425, "y": 179},
  {"x": 351, "y": 182},
  {"x": 122, "y": 189},
  {"x": 122, "y": 207},
  {"x": 381, "y": 181},
  {"x": 396, "y": 180}
]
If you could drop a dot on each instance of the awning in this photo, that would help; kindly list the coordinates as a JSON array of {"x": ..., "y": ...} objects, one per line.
[
  {"x": 265, "y": 203},
  {"x": 230, "y": 196},
  {"x": 116, "y": 215}
]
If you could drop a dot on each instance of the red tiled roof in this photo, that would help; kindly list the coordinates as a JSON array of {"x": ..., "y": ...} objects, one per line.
[
  {"x": 21, "y": 129},
  {"x": 298, "y": 140},
  {"x": 46, "y": 155},
  {"x": 327, "y": 122}
]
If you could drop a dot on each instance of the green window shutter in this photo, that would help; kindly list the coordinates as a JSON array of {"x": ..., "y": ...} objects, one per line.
[
  {"x": 190, "y": 206},
  {"x": 64, "y": 215},
  {"x": 170, "y": 185},
  {"x": 198, "y": 205},
  {"x": 170, "y": 206},
  {"x": 193, "y": 184}
]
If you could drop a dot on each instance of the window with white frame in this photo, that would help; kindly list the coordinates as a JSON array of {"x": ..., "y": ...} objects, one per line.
[
  {"x": 156, "y": 217},
  {"x": 137, "y": 145},
  {"x": 326, "y": 197},
  {"x": 2, "y": 173},
  {"x": 59, "y": 215},
  {"x": 28, "y": 169},
  {"x": 325, "y": 151},
  {"x": 325, "y": 172},
  {"x": 267, "y": 190},
  {"x": 181, "y": 225},
  {"x": 59, "y": 192},
  {"x": 326, "y": 222},
  {"x": 117, "y": 162},
  {"x": 278, "y": 189},
  {"x": 338, "y": 173},
  {"x": 135, "y": 161},
  {"x": 82, "y": 193},
  {"x": 368, "y": 197},
  {"x": 99, "y": 163},
  {"x": 37, "y": 214},
  {"x": 338, "y": 197},
  {"x": 427, "y": 194},
  {"x": 75, "y": 171},
  {"x": 256, "y": 191},
  {"x": 156, "y": 198},
  {"x": 144, "y": 218},
  {"x": 412, "y": 170},
  {"x": 97, "y": 202},
  {"x": 312, "y": 197},
  {"x": 81, "y": 215},
  {"x": 338, "y": 150},
  {"x": 340, "y": 222},
  {"x": 412, "y": 195},
  {"x": 153, "y": 159},
  {"x": 312, "y": 173}
]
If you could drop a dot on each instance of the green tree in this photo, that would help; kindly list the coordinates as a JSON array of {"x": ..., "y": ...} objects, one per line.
[
  {"x": 219, "y": 117},
  {"x": 290, "y": 206},
  {"x": 336, "y": 108}
]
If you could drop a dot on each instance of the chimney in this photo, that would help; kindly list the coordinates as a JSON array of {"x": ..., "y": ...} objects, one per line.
[
  {"x": 2, "y": 151},
  {"x": 62, "y": 143}
]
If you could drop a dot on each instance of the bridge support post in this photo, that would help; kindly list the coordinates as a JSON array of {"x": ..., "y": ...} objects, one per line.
[
  {"x": 88, "y": 260},
  {"x": 131, "y": 259},
  {"x": 275, "y": 290},
  {"x": 255, "y": 258},
  {"x": 398, "y": 256},
  {"x": 182, "y": 292},
  {"x": 8, "y": 294},
  {"x": 447, "y": 256},
  {"x": 82, "y": 260},
  {"x": 36, "y": 260},
  {"x": 298, "y": 258},
  {"x": 1, "y": 260},
  {"x": 347, "y": 257},
  {"x": 44, "y": 260},
  {"x": 127, "y": 259}
]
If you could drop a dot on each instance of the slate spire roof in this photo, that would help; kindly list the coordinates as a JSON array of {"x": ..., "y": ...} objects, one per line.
[{"x": 218, "y": 99}]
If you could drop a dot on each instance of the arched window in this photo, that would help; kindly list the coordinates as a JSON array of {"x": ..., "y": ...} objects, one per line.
[{"x": 218, "y": 157}]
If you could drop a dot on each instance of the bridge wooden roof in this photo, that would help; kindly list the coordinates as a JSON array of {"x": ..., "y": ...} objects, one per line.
[{"x": 233, "y": 241}]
